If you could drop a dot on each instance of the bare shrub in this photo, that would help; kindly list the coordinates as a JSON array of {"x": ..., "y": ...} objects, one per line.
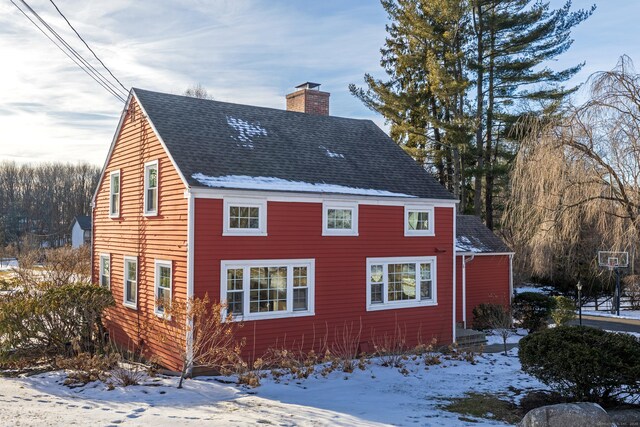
[
  {"x": 346, "y": 345},
  {"x": 213, "y": 342},
  {"x": 283, "y": 361},
  {"x": 131, "y": 368},
  {"x": 55, "y": 267},
  {"x": 429, "y": 352},
  {"x": 501, "y": 321},
  {"x": 85, "y": 368},
  {"x": 632, "y": 289},
  {"x": 391, "y": 348}
]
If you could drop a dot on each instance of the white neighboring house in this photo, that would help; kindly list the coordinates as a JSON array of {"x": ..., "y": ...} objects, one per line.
[{"x": 81, "y": 231}]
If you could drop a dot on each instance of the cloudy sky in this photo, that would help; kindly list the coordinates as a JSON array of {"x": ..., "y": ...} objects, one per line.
[{"x": 244, "y": 51}]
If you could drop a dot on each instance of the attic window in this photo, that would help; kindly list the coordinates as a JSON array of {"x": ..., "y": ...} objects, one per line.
[
  {"x": 418, "y": 221},
  {"x": 245, "y": 217},
  {"x": 114, "y": 194},
  {"x": 151, "y": 188},
  {"x": 340, "y": 219}
]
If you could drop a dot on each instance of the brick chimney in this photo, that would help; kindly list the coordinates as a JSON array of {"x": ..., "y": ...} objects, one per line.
[{"x": 309, "y": 99}]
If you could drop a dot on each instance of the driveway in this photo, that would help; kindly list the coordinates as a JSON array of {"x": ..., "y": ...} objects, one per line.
[{"x": 610, "y": 324}]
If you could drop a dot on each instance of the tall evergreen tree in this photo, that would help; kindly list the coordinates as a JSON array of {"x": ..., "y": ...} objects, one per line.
[{"x": 435, "y": 53}]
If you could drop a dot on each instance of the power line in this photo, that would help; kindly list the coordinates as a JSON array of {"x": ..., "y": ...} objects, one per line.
[
  {"x": 108, "y": 89},
  {"x": 87, "y": 45},
  {"x": 92, "y": 69}
]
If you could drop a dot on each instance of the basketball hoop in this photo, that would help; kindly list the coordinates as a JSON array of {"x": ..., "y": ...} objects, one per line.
[{"x": 614, "y": 261}]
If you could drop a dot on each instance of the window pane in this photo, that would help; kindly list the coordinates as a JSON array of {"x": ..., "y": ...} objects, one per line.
[
  {"x": 418, "y": 220},
  {"x": 299, "y": 276},
  {"x": 234, "y": 279},
  {"x": 151, "y": 199},
  {"x": 376, "y": 293},
  {"x": 244, "y": 217},
  {"x": 339, "y": 219},
  {"x": 131, "y": 271},
  {"x": 165, "y": 277},
  {"x": 269, "y": 289},
  {"x": 376, "y": 273},
  {"x": 152, "y": 176},
  {"x": 115, "y": 183},
  {"x": 299, "y": 299},
  {"x": 402, "y": 282},
  {"x": 234, "y": 302}
]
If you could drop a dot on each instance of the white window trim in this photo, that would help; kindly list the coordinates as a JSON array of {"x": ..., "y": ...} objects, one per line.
[
  {"x": 386, "y": 305},
  {"x": 146, "y": 187},
  {"x": 419, "y": 208},
  {"x": 156, "y": 276},
  {"x": 108, "y": 258},
  {"x": 352, "y": 206},
  {"x": 289, "y": 263},
  {"x": 126, "y": 303},
  {"x": 261, "y": 204},
  {"x": 111, "y": 175}
]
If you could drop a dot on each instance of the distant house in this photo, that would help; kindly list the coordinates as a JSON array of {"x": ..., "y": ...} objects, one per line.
[
  {"x": 307, "y": 226},
  {"x": 81, "y": 231}
]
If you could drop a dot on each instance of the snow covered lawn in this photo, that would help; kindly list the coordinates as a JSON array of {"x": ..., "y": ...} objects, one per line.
[
  {"x": 624, "y": 314},
  {"x": 378, "y": 395}
]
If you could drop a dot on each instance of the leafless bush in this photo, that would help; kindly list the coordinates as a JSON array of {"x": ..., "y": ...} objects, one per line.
[
  {"x": 282, "y": 361},
  {"x": 213, "y": 345},
  {"x": 632, "y": 289},
  {"x": 84, "y": 368},
  {"x": 391, "y": 348},
  {"x": 54, "y": 267},
  {"x": 429, "y": 352},
  {"x": 346, "y": 346}
]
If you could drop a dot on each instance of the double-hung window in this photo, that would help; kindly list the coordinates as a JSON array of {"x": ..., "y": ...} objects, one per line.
[
  {"x": 264, "y": 289},
  {"x": 151, "y": 188},
  {"x": 245, "y": 217},
  {"x": 131, "y": 282},
  {"x": 339, "y": 219},
  {"x": 418, "y": 221},
  {"x": 105, "y": 271},
  {"x": 400, "y": 282},
  {"x": 163, "y": 282},
  {"x": 114, "y": 194}
]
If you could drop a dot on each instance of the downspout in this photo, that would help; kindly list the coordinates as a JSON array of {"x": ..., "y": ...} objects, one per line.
[
  {"x": 190, "y": 287},
  {"x": 455, "y": 285},
  {"x": 465, "y": 260},
  {"x": 510, "y": 278}
]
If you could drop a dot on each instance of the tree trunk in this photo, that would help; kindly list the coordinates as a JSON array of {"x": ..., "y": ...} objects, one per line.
[
  {"x": 477, "y": 197},
  {"x": 489, "y": 179}
]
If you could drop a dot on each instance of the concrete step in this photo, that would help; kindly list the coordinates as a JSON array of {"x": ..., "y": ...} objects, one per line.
[{"x": 469, "y": 338}]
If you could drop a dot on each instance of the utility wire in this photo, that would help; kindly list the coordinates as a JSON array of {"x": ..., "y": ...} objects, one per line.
[
  {"x": 108, "y": 89},
  {"x": 87, "y": 45},
  {"x": 92, "y": 69}
]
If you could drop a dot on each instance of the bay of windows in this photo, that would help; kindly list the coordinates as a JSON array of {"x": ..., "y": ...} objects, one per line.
[{"x": 400, "y": 282}]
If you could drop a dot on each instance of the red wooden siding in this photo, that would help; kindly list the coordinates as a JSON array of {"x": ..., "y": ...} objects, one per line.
[
  {"x": 295, "y": 232},
  {"x": 132, "y": 234},
  {"x": 487, "y": 282}
]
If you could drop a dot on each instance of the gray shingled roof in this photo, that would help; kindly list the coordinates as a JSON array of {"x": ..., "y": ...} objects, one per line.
[
  {"x": 84, "y": 222},
  {"x": 473, "y": 236},
  {"x": 218, "y": 139}
]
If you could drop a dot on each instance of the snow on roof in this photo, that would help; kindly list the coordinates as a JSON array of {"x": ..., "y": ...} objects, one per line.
[
  {"x": 463, "y": 244},
  {"x": 246, "y": 131},
  {"x": 331, "y": 153},
  {"x": 278, "y": 184}
]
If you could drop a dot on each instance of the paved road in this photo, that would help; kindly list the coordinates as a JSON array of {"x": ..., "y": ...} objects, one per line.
[{"x": 610, "y": 324}]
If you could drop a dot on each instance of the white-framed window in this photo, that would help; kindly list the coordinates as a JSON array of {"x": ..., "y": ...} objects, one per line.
[
  {"x": 245, "y": 217},
  {"x": 114, "y": 194},
  {"x": 105, "y": 271},
  {"x": 151, "y": 188},
  {"x": 340, "y": 219},
  {"x": 268, "y": 289},
  {"x": 163, "y": 284},
  {"x": 130, "y": 298},
  {"x": 401, "y": 282},
  {"x": 418, "y": 221}
]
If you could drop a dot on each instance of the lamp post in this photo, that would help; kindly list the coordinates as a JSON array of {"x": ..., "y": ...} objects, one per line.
[{"x": 579, "y": 286}]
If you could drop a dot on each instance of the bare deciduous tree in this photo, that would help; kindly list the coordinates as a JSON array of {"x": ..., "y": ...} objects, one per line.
[
  {"x": 576, "y": 180},
  {"x": 198, "y": 91}
]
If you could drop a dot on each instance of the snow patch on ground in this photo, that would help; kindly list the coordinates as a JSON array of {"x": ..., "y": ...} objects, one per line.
[
  {"x": 493, "y": 337},
  {"x": 376, "y": 396},
  {"x": 532, "y": 288},
  {"x": 278, "y": 184},
  {"x": 246, "y": 131},
  {"x": 624, "y": 314},
  {"x": 635, "y": 334},
  {"x": 8, "y": 263}
]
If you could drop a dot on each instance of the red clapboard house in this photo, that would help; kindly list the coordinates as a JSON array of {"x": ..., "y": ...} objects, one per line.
[{"x": 306, "y": 225}]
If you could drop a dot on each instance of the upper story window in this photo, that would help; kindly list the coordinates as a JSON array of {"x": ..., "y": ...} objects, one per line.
[
  {"x": 151, "y": 188},
  {"x": 266, "y": 289},
  {"x": 105, "y": 270},
  {"x": 131, "y": 282},
  {"x": 339, "y": 219},
  {"x": 163, "y": 285},
  {"x": 114, "y": 194},
  {"x": 418, "y": 221},
  {"x": 245, "y": 217},
  {"x": 400, "y": 282}
]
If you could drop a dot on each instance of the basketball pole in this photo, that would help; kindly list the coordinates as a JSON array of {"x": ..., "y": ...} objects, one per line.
[{"x": 617, "y": 291}]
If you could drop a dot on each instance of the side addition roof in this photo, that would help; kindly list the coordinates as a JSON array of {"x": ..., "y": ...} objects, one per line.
[
  {"x": 473, "y": 236},
  {"x": 224, "y": 145}
]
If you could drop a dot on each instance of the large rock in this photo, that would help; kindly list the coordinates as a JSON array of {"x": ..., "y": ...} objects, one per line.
[
  {"x": 625, "y": 417},
  {"x": 567, "y": 415}
]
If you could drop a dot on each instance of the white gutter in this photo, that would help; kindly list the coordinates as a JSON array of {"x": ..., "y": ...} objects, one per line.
[
  {"x": 510, "y": 278},
  {"x": 190, "y": 288}
]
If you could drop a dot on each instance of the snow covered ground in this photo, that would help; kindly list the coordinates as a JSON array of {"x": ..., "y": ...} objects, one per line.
[
  {"x": 8, "y": 263},
  {"x": 624, "y": 314},
  {"x": 376, "y": 396}
]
